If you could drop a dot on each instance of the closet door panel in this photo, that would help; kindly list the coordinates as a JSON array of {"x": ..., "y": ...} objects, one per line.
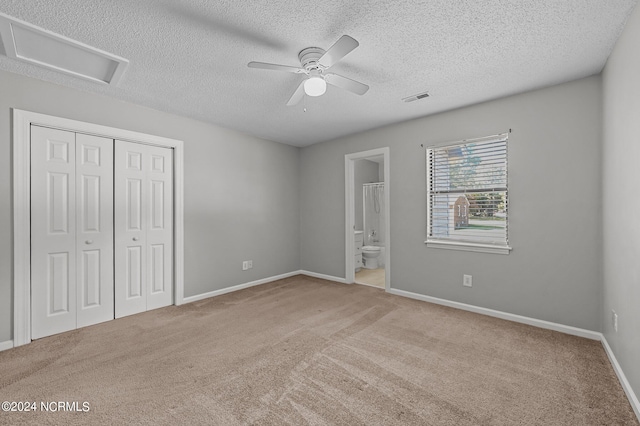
[
  {"x": 53, "y": 233},
  {"x": 102, "y": 229},
  {"x": 160, "y": 227},
  {"x": 130, "y": 225},
  {"x": 94, "y": 195}
]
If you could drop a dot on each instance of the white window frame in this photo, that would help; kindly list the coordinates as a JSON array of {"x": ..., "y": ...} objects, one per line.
[{"x": 442, "y": 243}]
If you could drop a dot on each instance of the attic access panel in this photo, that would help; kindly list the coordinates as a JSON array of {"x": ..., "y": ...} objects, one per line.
[{"x": 28, "y": 43}]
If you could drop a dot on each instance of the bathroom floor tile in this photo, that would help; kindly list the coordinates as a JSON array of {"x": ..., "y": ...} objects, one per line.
[{"x": 372, "y": 277}]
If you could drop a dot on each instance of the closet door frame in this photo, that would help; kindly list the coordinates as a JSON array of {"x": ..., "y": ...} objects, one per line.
[{"x": 21, "y": 141}]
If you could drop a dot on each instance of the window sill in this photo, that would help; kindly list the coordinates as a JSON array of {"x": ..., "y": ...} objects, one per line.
[{"x": 478, "y": 248}]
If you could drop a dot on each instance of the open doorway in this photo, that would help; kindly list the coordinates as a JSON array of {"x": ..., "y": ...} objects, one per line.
[{"x": 367, "y": 236}]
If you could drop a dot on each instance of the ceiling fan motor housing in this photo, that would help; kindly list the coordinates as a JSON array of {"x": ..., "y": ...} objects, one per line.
[{"x": 309, "y": 58}]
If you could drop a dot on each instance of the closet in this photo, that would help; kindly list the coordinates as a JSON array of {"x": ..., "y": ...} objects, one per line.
[{"x": 101, "y": 229}]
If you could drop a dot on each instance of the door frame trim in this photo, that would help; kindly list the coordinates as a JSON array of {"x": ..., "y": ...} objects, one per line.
[
  {"x": 350, "y": 212},
  {"x": 21, "y": 147}
]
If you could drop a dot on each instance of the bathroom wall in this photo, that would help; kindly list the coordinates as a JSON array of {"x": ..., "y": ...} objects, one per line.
[
  {"x": 554, "y": 271},
  {"x": 365, "y": 171}
]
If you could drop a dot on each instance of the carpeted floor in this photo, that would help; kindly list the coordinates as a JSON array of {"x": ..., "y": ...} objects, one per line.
[{"x": 307, "y": 351}]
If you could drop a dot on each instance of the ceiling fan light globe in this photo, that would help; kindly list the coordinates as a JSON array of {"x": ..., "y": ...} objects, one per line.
[{"x": 315, "y": 86}]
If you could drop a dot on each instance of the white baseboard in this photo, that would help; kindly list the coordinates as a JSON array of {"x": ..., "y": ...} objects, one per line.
[
  {"x": 593, "y": 335},
  {"x": 323, "y": 276},
  {"x": 238, "y": 287},
  {"x": 633, "y": 399},
  {"x": 6, "y": 345}
]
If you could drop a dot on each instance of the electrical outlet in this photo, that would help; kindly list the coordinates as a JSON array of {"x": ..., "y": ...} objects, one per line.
[
  {"x": 614, "y": 320},
  {"x": 245, "y": 265},
  {"x": 467, "y": 281},
  {"x": 250, "y": 262}
]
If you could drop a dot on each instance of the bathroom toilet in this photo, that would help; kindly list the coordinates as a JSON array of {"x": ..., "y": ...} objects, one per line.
[{"x": 370, "y": 256}]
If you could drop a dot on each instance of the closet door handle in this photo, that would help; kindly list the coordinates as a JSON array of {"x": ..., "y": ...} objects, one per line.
[
  {"x": 135, "y": 238},
  {"x": 89, "y": 242}
]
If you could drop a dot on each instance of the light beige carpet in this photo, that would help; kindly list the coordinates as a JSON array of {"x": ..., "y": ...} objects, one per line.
[{"x": 307, "y": 351}]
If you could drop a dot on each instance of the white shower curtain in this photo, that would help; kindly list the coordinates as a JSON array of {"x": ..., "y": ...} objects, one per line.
[{"x": 373, "y": 212}]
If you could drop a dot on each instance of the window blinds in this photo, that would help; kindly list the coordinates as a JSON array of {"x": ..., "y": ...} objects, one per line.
[{"x": 467, "y": 192}]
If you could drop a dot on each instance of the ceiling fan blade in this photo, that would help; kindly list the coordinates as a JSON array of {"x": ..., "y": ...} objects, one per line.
[
  {"x": 275, "y": 67},
  {"x": 346, "y": 83},
  {"x": 338, "y": 51},
  {"x": 297, "y": 95}
]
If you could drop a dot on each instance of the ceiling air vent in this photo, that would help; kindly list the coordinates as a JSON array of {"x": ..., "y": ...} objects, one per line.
[
  {"x": 35, "y": 45},
  {"x": 416, "y": 97}
]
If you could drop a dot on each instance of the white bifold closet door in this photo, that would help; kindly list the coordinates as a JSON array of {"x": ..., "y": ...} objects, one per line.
[
  {"x": 71, "y": 230},
  {"x": 143, "y": 227}
]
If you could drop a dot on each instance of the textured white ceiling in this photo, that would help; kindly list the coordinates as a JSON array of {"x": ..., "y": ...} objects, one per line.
[{"x": 190, "y": 57}]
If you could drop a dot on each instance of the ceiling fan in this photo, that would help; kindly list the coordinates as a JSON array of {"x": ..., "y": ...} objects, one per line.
[{"x": 315, "y": 63}]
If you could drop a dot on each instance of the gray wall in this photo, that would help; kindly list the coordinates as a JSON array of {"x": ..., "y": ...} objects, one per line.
[
  {"x": 241, "y": 193},
  {"x": 365, "y": 171},
  {"x": 621, "y": 204},
  {"x": 554, "y": 270}
]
